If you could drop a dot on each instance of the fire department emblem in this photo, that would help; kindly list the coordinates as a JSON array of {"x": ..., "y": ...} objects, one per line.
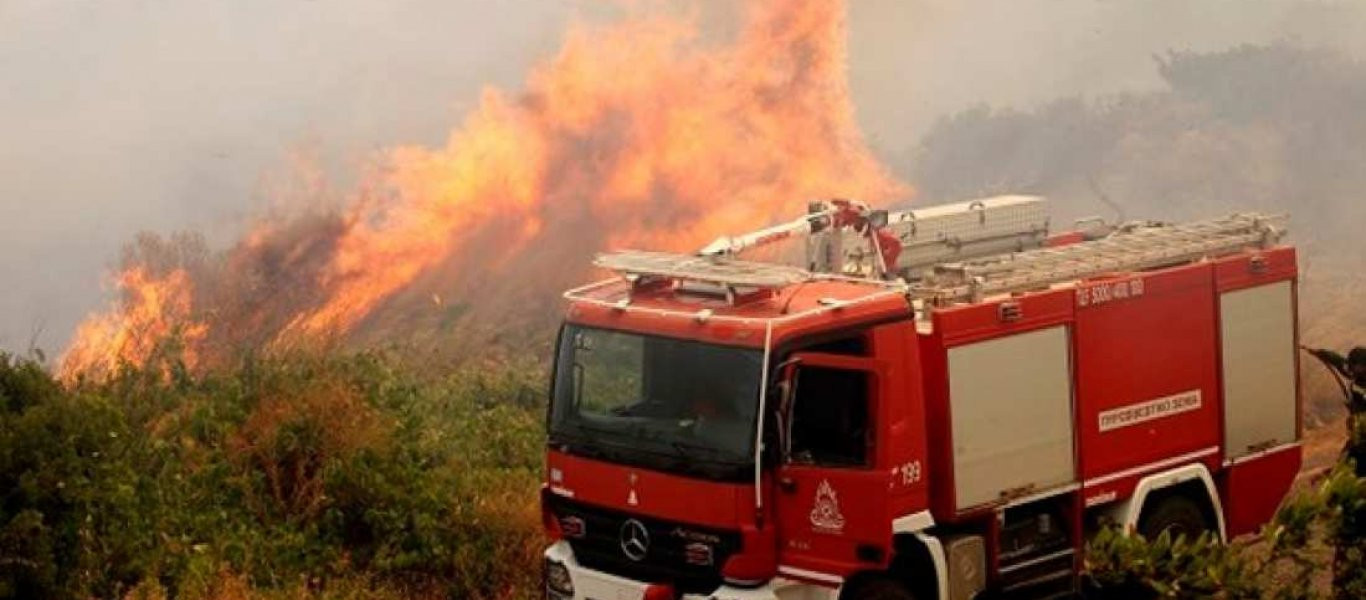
[{"x": 825, "y": 514}]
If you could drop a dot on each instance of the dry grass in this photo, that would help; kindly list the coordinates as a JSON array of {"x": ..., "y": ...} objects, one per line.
[
  {"x": 292, "y": 438},
  {"x": 233, "y": 586}
]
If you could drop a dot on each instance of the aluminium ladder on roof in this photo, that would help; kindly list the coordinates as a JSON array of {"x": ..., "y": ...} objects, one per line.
[
  {"x": 735, "y": 280},
  {"x": 636, "y": 264},
  {"x": 1126, "y": 251}
]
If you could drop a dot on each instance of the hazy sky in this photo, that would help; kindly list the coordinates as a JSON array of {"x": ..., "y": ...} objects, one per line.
[{"x": 118, "y": 116}]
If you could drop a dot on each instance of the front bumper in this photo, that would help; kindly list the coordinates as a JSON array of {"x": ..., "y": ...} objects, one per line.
[{"x": 596, "y": 585}]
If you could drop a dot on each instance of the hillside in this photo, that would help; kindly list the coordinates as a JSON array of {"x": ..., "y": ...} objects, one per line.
[{"x": 1271, "y": 128}]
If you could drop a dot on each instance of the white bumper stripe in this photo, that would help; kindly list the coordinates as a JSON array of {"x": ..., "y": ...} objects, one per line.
[{"x": 602, "y": 586}]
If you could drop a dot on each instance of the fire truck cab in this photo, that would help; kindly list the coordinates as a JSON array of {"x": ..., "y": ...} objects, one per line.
[{"x": 735, "y": 430}]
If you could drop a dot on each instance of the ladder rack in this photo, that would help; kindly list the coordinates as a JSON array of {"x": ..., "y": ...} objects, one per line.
[
  {"x": 642, "y": 267},
  {"x": 1136, "y": 249}
]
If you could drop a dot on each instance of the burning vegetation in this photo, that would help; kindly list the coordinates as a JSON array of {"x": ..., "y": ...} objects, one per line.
[
  {"x": 152, "y": 309},
  {"x": 638, "y": 132}
]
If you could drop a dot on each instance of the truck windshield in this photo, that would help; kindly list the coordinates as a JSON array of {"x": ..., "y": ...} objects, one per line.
[{"x": 663, "y": 403}]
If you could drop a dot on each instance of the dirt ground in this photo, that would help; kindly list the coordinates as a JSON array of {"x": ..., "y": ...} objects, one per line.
[{"x": 1322, "y": 446}]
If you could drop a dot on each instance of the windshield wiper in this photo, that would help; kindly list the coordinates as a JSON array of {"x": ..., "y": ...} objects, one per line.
[
  {"x": 581, "y": 426},
  {"x": 583, "y": 443},
  {"x": 684, "y": 448}
]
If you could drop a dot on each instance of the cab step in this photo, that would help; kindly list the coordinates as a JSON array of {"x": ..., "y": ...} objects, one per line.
[{"x": 1041, "y": 577}]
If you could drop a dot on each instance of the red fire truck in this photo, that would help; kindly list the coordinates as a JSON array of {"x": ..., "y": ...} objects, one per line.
[{"x": 940, "y": 403}]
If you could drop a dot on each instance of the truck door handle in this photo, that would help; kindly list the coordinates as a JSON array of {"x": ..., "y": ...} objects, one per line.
[{"x": 787, "y": 485}]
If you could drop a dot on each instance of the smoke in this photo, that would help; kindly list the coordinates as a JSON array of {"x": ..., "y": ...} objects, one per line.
[
  {"x": 915, "y": 61},
  {"x": 170, "y": 116},
  {"x": 164, "y": 116},
  {"x": 1273, "y": 128},
  {"x": 636, "y": 132}
]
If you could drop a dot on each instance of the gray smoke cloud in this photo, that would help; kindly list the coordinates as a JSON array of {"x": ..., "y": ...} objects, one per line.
[
  {"x": 119, "y": 117},
  {"x": 915, "y": 61}
]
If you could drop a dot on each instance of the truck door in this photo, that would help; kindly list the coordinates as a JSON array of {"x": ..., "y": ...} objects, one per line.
[{"x": 832, "y": 497}]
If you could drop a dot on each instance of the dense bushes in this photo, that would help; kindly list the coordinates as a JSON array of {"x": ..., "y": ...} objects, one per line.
[
  {"x": 1124, "y": 566},
  {"x": 338, "y": 475},
  {"x": 1290, "y": 559},
  {"x": 353, "y": 476},
  {"x": 1314, "y": 548}
]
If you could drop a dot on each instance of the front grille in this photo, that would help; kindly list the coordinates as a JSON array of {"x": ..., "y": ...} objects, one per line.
[{"x": 665, "y": 560}]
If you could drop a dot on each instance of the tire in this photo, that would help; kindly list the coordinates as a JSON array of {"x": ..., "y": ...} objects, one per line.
[
  {"x": 882, "y": 589},
  {"x": 1090, "y": 590},
  {"x": 1176, "y": 513}
]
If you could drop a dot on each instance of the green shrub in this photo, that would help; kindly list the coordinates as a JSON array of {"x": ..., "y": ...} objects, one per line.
[
  {"x": 329, "y": 475},
  {"x": 1129, "y": 566},
  {"x": 1287, "y": 561}
]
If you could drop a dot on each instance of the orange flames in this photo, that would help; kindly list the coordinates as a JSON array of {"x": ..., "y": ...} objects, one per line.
[
  {"x": 637, "y": 133},
  {"x": 154, "y": 310}
]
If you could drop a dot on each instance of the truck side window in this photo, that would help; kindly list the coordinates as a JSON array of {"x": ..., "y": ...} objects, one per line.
[
  {"x": 847, "y": 346},
  {"x": 830, "y": 417}
]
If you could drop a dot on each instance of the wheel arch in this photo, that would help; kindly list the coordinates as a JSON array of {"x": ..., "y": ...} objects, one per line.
[
  {"x": 1194, "y": 478},
  {"x": 918, "y": 562}
]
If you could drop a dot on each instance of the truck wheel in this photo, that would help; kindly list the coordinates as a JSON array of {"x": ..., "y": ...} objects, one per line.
[
  {"x": 882, "y": 589},
  {"x": 1175, "y": 513}
]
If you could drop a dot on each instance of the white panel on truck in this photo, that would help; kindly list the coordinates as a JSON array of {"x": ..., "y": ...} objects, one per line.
[
  {"x": 998, "y": 225},
  {"x": 1011, "y": 400},
  {"x": 1259, "y": 368}
]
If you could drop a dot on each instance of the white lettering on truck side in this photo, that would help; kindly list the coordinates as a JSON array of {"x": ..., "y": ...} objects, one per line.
[
  {"x": 1110, "y": 291},
  {"x": 907, "y": 474},
  {"x": 1133, "y": 414}
]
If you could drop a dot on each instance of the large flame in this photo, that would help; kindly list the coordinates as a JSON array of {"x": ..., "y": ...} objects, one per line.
[
  {"x": 153, "y": 311},
  {"x": 636, "y": 133}
]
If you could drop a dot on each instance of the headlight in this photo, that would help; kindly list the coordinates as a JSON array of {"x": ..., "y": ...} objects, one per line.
[
  {"x": 698, "y": 554},
  {"x": 573, "y": 527},
  {"x": 557, "y": 578}
]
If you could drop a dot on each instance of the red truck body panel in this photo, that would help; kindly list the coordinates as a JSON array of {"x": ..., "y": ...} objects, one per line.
[
  {"x": 1160, "y": 344},
  {"x": 1249, "y": 489},
  {"x": 1146, "y": 378},
  {"x": 651, "y": 493},
  {"x": 1136, "y": 338}
]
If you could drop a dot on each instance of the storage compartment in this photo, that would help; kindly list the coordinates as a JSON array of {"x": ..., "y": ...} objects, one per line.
[
  {"x": 1034, "y": 530},
  {"x": 1258, "y": 326},
  {"x": 1011, "y": 406}
]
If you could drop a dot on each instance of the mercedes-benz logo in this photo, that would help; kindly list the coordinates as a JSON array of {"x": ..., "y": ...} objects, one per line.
[{"x": 635, "y": 540}]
